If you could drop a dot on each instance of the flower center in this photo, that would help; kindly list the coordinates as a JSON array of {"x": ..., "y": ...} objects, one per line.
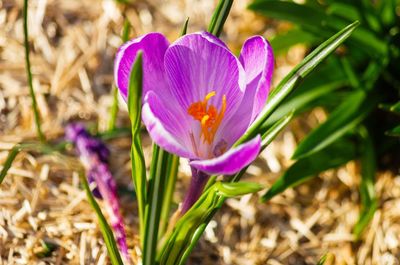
[{"x": 208, "y": 116}]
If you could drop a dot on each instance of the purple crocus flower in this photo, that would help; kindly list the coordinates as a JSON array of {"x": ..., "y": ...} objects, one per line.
[
  {"x": 199, "y": 98},
  {"x": 94, "y": 156}
]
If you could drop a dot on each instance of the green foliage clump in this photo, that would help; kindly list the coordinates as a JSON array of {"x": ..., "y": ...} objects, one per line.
[{"x": 359, "y": 87}]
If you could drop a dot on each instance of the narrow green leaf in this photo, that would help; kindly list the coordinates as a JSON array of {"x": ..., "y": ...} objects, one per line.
[
  {"x": 395, "y": 107},
  {"x": 394, "y": 132},
  {"x": 116, "y": 133},
  {"x": 137, "y": 157},
  {"x": 105, "y": 229},
  {"x": 351, "y": 75},
  {"x": 185, "y": 27},
  {"x": 344, "y": 10},
  {"x": 113, "y": 110},
  {"x": 237, "y": 188},
  {"x": 275, "y": 129},
  {"x": 281, "y": 43},
  {"x": 219, "y": 17},
  {"x": 114, "y": 106},
  {"x": 388, "y": 12},
  {"x": 154, "y": 204},
  {"x": 333, "y": 156},
  {"x": 29, "y": 75},
  {"x": 293, "y": 79},
  {"x": 10, "y": 159},
  {"x": 126, "y": 31},
  {"x": 171, "y": 176},
  {"x": 346, "y": 117},
  {"x": 47, "y": 249},
  {"x": 370, "y": 15},
  {"x": 303, "y": 101},
  {"x": 37, "y": 147},
  {"x": 327, "y": 259},
  {"x": 287, "y": 10},
  {"x": 369, "y": 202}
]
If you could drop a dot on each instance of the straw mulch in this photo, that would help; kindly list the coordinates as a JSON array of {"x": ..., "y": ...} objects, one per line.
[{"x": 73, "y": 44}]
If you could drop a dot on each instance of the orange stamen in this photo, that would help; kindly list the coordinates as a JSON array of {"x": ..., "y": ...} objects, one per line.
[{"x": 208, "y": 116}]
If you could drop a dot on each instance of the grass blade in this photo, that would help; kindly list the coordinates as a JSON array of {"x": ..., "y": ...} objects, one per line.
[
  {"x": 137, "y": 157},
  {"x": 185, "y": 27},
  {"x": 153, "y": 211},
  {"x": 114, "y": 107},
  {"x": 10, "y": 159},
  {"x": 327, "y": 259},
  {"x": 37, "y": 147},
  {"x": 103, "y": 225},
  {"x": 293, "y": 79},
  {"x": 219, "y": 17},
  {"x": 171, "y": 176},
  {"x": 114, "y": 110},
  {"x": 394, "y": 132},
  {"x": 275, "y": 129},
  {"x": 369, "y": 202},
  {"x": 29, "y": 76}
]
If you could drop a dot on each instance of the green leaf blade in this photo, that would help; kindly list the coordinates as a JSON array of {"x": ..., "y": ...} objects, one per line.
[
  {"x": 219, "y": 17},
  {"x": 137, "y": 157},
  {"x": 35, "y": 108},
  {"x": 369, "y": 202},
  {"x": 333, "y": 156},
  {"x": 345, "y": 118},
  {"x": 105, "y": 229}
]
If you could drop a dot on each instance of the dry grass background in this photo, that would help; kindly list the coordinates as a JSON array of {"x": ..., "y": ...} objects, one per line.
[{"x": 73, "y": 44}]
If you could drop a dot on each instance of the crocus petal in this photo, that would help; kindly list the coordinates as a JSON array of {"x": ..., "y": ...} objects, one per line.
[
  {"x": 232, "y": 161},
  {"x": 164, "y": 127},
  {"x": 199, "y": 63},
  {"x": 258, "y": 62},
  {"x": 153, "y": 46}
]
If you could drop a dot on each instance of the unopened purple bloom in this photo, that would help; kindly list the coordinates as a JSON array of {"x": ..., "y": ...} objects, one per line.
[
  {"x": 94, "y": 155},
  {"x": 198, "y": 97}
]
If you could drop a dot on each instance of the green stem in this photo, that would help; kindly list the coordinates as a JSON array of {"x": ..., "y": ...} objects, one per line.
[{"x": 29, "y": 75}]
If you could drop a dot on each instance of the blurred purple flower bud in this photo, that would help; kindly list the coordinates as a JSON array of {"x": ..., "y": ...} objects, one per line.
[{"x": 94, "y": 155}]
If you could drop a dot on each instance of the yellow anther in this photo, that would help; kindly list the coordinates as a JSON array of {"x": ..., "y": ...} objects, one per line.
[
  {"x": 204, "y": 120},
  {"x": 210, "y": 95}
]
